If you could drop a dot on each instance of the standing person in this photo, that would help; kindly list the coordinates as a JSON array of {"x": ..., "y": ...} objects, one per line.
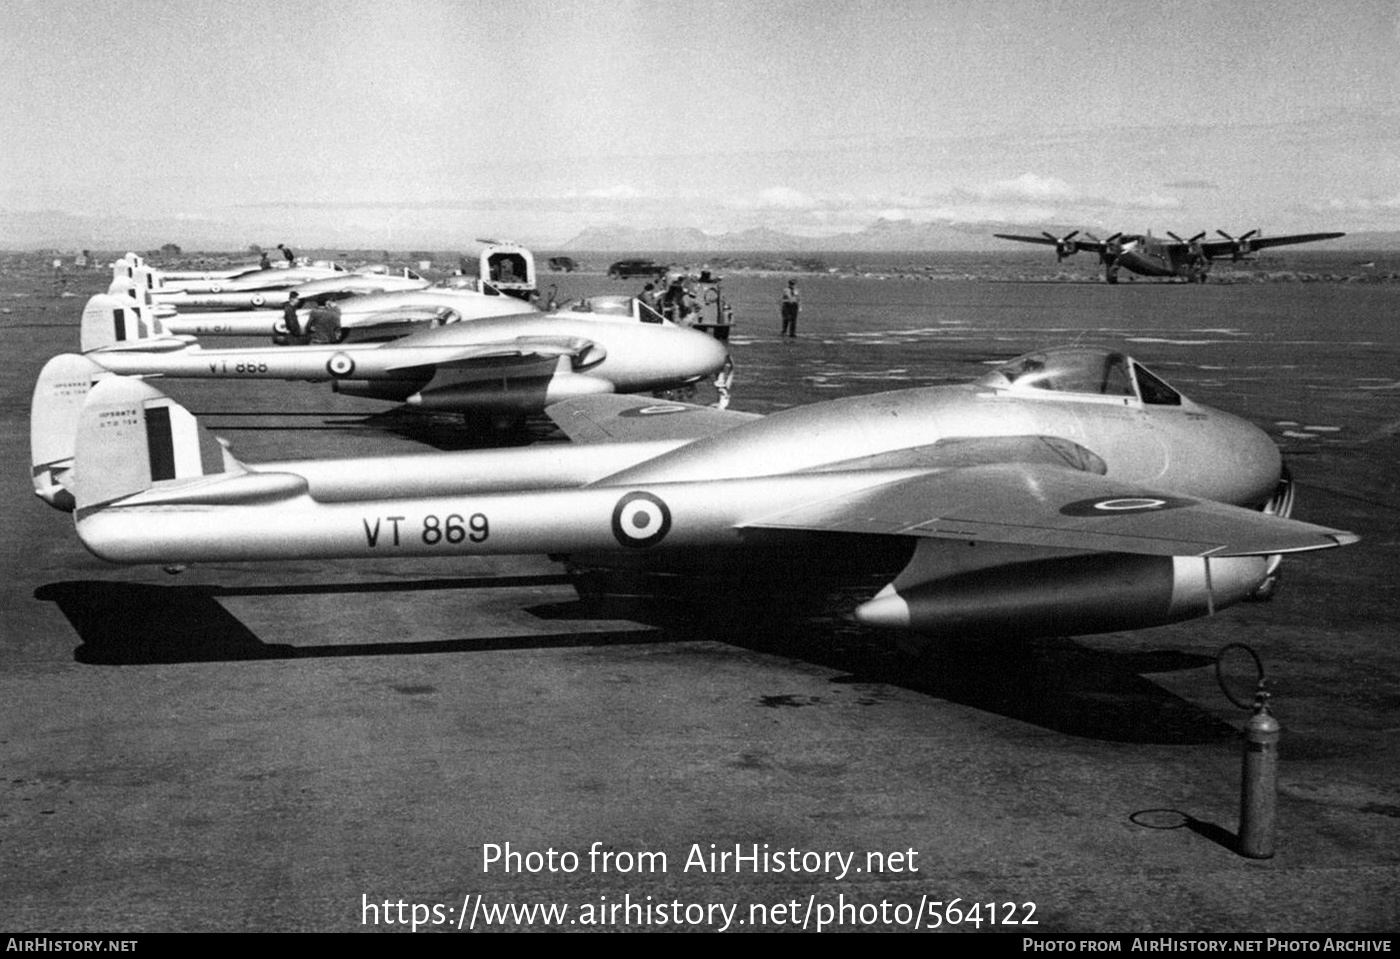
[
  {"x": 673, "y": 298},
  {"x": 263, "y": 262},
  {"x": 287, "y": 253},
  {"x": 648, "y": 296},
  {"x": 790, "y": 304},
  {"x": 323, "y": 322},
  {"x": 290, "y": 319}
]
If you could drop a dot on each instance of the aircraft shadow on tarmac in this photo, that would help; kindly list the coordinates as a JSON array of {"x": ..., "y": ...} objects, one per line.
[
  {"x": 1056, "y": 684},
  {"x": 128, "y": 624}
]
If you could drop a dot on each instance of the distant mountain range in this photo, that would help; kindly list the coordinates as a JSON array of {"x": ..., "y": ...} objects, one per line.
[
  {"x": 53, "y": 229},
  {"x": 889, "y": 236}
]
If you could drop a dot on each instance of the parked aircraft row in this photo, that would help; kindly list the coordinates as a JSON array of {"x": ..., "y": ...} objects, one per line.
[
  {"x": 1147, "y": 255},
  {"x": 458, "y": 346}
]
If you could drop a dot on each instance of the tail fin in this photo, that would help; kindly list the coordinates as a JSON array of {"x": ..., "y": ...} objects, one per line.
[
  {"x": 112, "y": 321},
  {"x": 59, "y": 394},
  {"x": 124, "y": 272},
  {"x": 131, "y": 438}
]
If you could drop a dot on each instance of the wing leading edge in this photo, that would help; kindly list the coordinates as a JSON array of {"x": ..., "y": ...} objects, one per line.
[{"x": 1049, "y": 506}]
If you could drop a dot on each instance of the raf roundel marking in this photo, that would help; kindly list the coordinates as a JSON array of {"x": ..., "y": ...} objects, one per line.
[
  {"x": 640, "y": 520},
  {"x": 656, "y": 409},
  {"x": 258, "y": 299},
  {"x": 340, "y": 365},
  {"x": 1119, "y": 505},
  {"x": 1130, "y": 503}
]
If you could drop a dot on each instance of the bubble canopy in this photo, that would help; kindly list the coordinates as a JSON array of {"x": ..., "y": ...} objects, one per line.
[{"x": 1083, "y": 371}]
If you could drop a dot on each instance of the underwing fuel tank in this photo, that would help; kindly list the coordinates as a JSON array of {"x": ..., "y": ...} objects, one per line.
[
  {"x": 510, "y": 395},
  {"x": 395, "y": 391},
  {"x": 1068, "y": 594}
]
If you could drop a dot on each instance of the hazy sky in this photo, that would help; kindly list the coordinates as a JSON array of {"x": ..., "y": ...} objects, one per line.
[{"x": 428, "y": 122}]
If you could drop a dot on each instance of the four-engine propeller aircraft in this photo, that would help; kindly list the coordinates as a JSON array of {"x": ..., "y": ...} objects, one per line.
[
  {"x": 1148, "y": 255},
  {"x": 1067, "y": 491},
  {"x": 504, "y": 366}
]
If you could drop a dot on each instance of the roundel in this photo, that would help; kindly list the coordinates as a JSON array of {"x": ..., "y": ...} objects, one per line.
[
  {"x": 280, "y": 327},
  {"x": 340, "y": 365},
  {"x": 258, "y": 299},
  {"x": 1119, "y": 505},
  {"x": 216, "y": 288},
  {"x": 656, "y": 409},
  {"x": 640, "y": 520}
]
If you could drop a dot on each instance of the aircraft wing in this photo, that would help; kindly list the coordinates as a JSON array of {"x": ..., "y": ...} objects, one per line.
[
  {"x": 1050, "y": 506},
  {"x": 403, "y": 314},
  {"x": 1086, "y": 245},
  {"x": 584, "y": 352},
  {"x": 612, "y": 418},
  {"x": 1215, "y": 248}
]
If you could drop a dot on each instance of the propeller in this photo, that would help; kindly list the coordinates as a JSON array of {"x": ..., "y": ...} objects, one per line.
[
  {"x": 1188, "y": 242},
  {"x": 1239, "y": 247},
  {"x": 1112, "y": 250},
  {"x": 1111, "y": 246},
  {"x": 1064, "y": 245}
]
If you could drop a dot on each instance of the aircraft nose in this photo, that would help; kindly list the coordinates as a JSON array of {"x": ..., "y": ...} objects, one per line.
[
  {"x": 706, "y": 354},
  {"x": 1253, "y": 459}
]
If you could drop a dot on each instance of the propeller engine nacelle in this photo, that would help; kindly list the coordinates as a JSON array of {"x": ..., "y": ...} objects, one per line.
[
  {"x": 1240, "y": 247},
  {"x": 1064, "y": 245}
]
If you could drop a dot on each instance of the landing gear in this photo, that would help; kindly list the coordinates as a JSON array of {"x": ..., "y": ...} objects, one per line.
[{"x": 1110, "y": 273}]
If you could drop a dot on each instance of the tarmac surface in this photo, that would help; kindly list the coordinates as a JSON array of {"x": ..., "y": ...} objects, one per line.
[{"x": 279, "y": 747}]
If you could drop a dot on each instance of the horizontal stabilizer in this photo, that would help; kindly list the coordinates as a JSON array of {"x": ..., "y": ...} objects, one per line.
[
  {"x": 1050, "y": 506},
  {"x": 611, "y": 419}
]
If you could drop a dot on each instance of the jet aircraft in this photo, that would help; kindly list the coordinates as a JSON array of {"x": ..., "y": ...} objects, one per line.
[
  {"x": 502, "y": 366},
  {"x": 1067, "y": 491},
  {"x": 383, "y": 310},
  {"x": 245, "y": 281},
  {"x": 1148, "y": 255}
]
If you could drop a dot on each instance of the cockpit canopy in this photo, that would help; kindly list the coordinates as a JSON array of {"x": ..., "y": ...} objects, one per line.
[
  {"x": 472, "y": 284},
  {"x": 1083, "y": 371},
  {"x": 620, "y": 307}
]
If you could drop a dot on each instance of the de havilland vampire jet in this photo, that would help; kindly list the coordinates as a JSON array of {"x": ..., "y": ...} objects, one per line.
[
  {"x": 1067, "y": 491},
  {"x": 145, "y": 284},
  {"x": 373, "y": 314},
  {"x": 247, "y": 281},
  {"x": 1148, "y": 255},
  {"x": 502, "y": 365}
]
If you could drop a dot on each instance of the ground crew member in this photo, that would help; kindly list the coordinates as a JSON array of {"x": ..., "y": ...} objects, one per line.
[
  {"x": 791, "y": 303},
  {"x": 290, "y": 320}
]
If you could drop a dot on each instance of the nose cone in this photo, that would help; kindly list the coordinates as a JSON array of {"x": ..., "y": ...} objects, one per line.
[
  {"x": 703, "y": 354},
  {"x": 1246, "y": 462}
]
